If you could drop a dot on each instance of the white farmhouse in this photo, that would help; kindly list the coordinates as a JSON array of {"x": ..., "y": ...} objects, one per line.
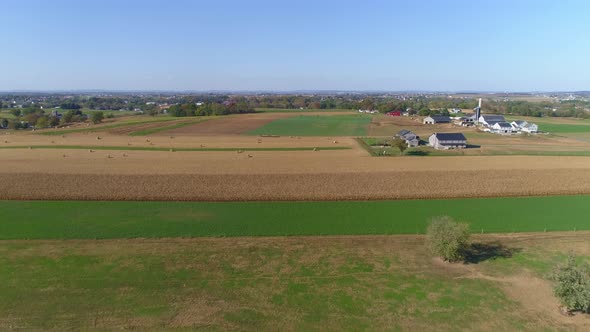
[
  {"x": 525, "y": 126},
  {"x": 489, "y": 120},
  {"x": 504, "y": 128}
]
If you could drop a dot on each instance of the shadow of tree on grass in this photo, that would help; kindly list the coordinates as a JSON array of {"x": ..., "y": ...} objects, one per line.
[
  {"x": 479, "y": 252},
  {"x": 417, "y": 153}
]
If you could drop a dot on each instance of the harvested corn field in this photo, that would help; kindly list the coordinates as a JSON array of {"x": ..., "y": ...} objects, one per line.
[{"x": 312, "y": 186}]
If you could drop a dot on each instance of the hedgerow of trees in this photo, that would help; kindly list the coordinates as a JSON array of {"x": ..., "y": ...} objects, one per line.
[{"x": 210, "y": 109}]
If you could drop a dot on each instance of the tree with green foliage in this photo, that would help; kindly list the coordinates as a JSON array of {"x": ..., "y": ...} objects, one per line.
[
  {"x": 67, "y": 117},
  {"x": 400, "y": 144},
  {"x": 15, "y": 112},
  {"x": 572, "y": 285},
  {"x": 16, "y": 124},
  {"x": 4, "y": 123},
  {"x": 97, "y": 117},
  {"x": 53, "y": 121},
  {"x": 41, "y": 122},
  {"x": 69, "y": 105},
  {"x": 447, "y": 238}
]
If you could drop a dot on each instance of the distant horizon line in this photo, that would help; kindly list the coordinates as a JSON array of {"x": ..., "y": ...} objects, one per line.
[{"x": 294, "y": 91}]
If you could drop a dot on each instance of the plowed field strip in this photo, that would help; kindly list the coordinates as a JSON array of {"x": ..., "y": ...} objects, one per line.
[
  {"x": 298, "y": 187},
  {"x": 143, "y": 148}
]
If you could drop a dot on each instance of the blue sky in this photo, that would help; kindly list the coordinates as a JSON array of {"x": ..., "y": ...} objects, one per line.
[{"x": 290, "y": 45}]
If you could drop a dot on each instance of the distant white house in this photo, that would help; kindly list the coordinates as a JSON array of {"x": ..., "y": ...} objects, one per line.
[
  {"x": 504, "y": 128},
  {"x": 489, "y": 120},
  {"x": 455, "y": 111},
  {"x": 369, "y": 111},
  {"x": 436, "y": 119},
  {"x": 445, "y": 141},
  {"x": 525, "y": 126}
]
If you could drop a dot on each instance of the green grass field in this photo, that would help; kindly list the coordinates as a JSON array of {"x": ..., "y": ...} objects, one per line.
[
  {"x": 564, "y": 128},
  {"x": 252, "y": 284},
  {"x": 316, "y": 125},
  {"x": 104, "y": 220},
  {"x": 552, "y": 125}
]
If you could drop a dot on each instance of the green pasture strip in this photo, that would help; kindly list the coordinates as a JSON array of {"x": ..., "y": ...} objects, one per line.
[
  {"x": 102, "y": 128},
  {"x": 550, "y": 126},
  {"x": 120, "y": 219},
  {"x": 159, "y": 285},
  {"x": 564, "y": 128},
  {"x": 146, "y": 148},
  {"x": 317, "y": 125},
  {"x": 165, "y": 128}
]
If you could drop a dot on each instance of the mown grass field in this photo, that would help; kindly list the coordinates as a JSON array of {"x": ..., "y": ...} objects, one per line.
[
  {"x": 564, "y": 128},
  {"x": 109, "y": 220},
  {"x": 330, "y": 283},
  {"x": 317, "y": 125}
]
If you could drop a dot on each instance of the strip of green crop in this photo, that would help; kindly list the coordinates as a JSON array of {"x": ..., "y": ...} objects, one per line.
[
  {"x": 145, "y": 148},
  {"x": 111, "y": 219}
]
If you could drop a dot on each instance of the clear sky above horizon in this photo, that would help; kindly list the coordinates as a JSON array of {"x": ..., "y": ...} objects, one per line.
[{"x": 295, "y": 45}]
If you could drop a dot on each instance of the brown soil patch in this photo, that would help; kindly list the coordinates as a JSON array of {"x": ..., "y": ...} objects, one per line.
[
  {"x": 238, "y": 124},
  {"x": 228, "y": 125},
  {"x": 133, "y": 128}
]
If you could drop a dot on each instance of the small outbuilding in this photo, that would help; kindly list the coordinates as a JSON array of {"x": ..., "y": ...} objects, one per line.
[
  {"x": 409, "y": 137},
  {"x": 445, "y": 141},
  {"x": 433, "y": 119}
]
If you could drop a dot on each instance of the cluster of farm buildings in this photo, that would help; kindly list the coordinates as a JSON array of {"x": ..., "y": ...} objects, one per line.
[
  {"x": 441, "y": 141},
  {"x": 492, "y": 123}
]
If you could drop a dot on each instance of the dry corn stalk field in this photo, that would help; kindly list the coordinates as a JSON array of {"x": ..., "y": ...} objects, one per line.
[{"x": 310, "y": 186}]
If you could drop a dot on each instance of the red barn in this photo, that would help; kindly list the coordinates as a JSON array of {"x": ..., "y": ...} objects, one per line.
[{"x": 395, "y": 113}]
